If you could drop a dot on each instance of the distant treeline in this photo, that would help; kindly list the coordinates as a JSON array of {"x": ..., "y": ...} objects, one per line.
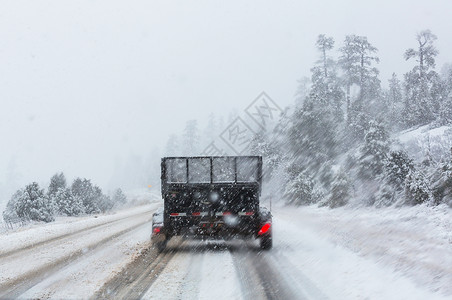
[{"x": 82, "y": 197}]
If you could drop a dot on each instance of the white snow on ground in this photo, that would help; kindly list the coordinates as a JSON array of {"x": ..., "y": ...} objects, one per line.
[
  {"x": 344, "y": 253},
  {"x": 45, "y": 255},
  {"x": 219, "y": 280},
  {"x": 203, "y": 275},
  {"x": 390, "y": 253},
  {"x": 84, "y": 278},
  {"x": 365, "y": 253},
  {"x": 25, "y": 236}
]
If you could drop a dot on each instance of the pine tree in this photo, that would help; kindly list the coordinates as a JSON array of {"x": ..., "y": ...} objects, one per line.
[
  {"x": 445, "y": 112},
  {"x": 325, "y": 83},
  {"x": 420, "y": 104},
  {"x": 341, "y": 190},
  {"x": 374, "y": 151},
  {"x": 10, "y": 215},
  {"x": 312, "y": 135},
  {"x": 83, "y": 190},
  {"x": 57, "y": 182},
  {"x": 191, "y": 138},
  {"x": 398, "y": 165},
  {"x": 417, "y": 189},
  {"x": 300, "y": 190},
  {"x": 67, "y": 204},
  {"x": 105, "y": 203},
  {"x": 262, "y": 145},
  {"x": 33, "y": 204},
  {"x": 356, "y": 60},
  {"x": 119, "y": 198},
  {"x": 442, "y": 183},
  {"x": 394, "y": 100}
]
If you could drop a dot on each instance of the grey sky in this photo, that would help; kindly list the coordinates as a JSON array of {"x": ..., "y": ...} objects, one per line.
[{"x": 83, "y": 83}]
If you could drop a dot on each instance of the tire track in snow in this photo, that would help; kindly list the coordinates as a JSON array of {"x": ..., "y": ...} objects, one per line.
[
  {"x": 83, "y": 277},
  {"x": 137, "y": 277},
  {"x": 249, "y": 279},
  {"x": 190, "y": 282},
  {"x": 256, "y": 269},
  {"x": 33, "y": 246},
  {"x": 22, "y": 283}
]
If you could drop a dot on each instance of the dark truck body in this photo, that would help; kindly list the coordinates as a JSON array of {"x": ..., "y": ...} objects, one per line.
[{"x": 212, "y": 197}]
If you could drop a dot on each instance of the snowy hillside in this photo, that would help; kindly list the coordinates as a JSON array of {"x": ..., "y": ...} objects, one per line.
[{"x": 424, "y": 141}]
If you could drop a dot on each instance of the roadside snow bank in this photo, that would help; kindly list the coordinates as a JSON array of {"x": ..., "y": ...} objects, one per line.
[
  {"x": 413, "y": 242},
  {"x": 35, "y": 233}
]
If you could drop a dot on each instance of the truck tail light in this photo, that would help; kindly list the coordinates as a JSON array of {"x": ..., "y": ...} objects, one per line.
[
  {"x": 156, "y": 230},
  {"x": 264, "y": 229}
]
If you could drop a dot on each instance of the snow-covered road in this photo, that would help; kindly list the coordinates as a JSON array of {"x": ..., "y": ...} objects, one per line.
[{"x": 317, "y": 254}]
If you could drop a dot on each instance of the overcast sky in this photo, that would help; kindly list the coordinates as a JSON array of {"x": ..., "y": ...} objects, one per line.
[{"x": 85, "y": 83}]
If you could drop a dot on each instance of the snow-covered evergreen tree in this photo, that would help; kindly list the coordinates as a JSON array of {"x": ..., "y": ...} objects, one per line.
[
  {"x": 67, "y": 204},
  {"x": 83, "y": 190},
  {"x": 374, "y": 151},
  {"x": 341, "y": 190},
  {"x": 325, "y": 83},
  {"x": 119, "y": 198},
  {"x": 442, "y": 183},
  {"x": 105, "y": 203},
  {"x": 57, "y": 182},
  {"x": 10, "y": 215},
  {"x": 394, "y": 101},
  {"x": 417, "y": 189},
  {"x": 398, "y": 165},
  {"x": 356, "y": 60},
  {"x": 420, "y": 102},
  {"x": 312, "y": 135},
  {"x": 445, "y": 112},
  {"x": 300, "y": 190},
  {"x": 262, "y": 145},
  {"x": 191, "y": 139},
  {"x": 33, "y": 204}
]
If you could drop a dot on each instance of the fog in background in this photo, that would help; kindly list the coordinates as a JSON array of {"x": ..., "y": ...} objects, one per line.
[{"x": 94, "y": 88}]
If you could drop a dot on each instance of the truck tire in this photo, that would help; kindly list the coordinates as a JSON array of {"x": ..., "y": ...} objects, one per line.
[
  {"x": 266, "y": 242},
  {"x": 161, "y": 245}
]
